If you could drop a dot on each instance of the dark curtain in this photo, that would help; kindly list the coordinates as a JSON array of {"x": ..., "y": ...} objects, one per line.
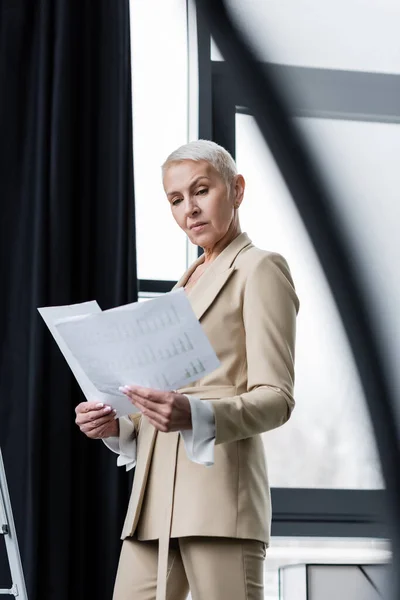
[{"x": 67, "y": 235}]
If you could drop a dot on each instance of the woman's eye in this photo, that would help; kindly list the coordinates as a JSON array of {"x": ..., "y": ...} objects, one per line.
[
  {"x": 174, "y": 202},
  {"x": 202, "y": 191}
]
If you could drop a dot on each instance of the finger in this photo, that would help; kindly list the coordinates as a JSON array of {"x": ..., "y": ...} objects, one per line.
[
  {"x": 98, "y": 432},
  {"x": 158, "y": 426},
  {"x": 85, "y": 407},
  {"x": 158, "y": 396},
  {"x": 91, "y": 416},
  {"x": 87, "y": 417},
  {"x": 106, "y": 420},
  {"x": 98, "y": 419},
  {"x": 163, "y": 408},
  {"x": 154, "y": 415},
  {"x": 104, "y": 431}
]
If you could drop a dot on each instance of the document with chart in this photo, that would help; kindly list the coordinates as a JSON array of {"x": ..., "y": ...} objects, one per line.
[
  {"x": 158, "y": 343},
  {"x": 51, "y": 315}
]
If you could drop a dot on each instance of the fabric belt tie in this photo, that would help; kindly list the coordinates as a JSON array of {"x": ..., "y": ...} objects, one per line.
[{"x": 163, "y": 543}]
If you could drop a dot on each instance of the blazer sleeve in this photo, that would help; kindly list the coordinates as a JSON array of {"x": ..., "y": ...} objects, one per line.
[{"x": 270, "y": 307}]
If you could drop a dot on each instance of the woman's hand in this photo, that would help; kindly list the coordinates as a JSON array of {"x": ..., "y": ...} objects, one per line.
[
  {"x": 167, "y": 411},
  {"x": 96, "y": 420}
]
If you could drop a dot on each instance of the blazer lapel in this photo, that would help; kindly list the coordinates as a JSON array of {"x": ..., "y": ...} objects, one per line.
[
  {"x": 204, "y": 292},
  {"x": 188, "y": 273},
  {"x": 207, "y": 289}
]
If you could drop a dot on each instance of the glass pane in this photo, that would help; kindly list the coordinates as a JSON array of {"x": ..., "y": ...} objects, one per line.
[
  {"x": 342, "y": 34},
  {"x": 159, "y": 73},
  {"x": 359, "y": 161},
  {"x": 328, "y": 441},
  {"x": 329, "y": 551}
]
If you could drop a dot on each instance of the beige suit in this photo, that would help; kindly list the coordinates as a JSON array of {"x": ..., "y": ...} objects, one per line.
[{"x": 247, "y": 306}]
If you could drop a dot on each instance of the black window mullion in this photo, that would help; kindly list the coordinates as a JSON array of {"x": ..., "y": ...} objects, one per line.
[
  {"x": 224, "y": 113},
  {"x": 328, "y": 512},
  {"x": 155, "y": 286}
]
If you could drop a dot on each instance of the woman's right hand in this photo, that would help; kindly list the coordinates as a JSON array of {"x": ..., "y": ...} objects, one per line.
[{"x": 96, "y": 420}]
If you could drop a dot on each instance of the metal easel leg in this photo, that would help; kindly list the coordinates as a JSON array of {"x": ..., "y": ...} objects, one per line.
[{"x": 7, "y": 529}]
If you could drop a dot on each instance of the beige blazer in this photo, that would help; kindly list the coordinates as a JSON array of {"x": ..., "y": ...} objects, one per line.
[{"x": 247, "y": 306}]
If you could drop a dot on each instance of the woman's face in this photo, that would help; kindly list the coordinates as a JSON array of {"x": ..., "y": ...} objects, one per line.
[{"x": 200, "y": 201}]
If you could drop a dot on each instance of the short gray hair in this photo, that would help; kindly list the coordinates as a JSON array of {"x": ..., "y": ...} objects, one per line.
[{"x": 208, "y": 151}]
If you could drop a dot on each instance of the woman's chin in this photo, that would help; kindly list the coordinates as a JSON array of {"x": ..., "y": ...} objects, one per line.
[{"x": 198, "y": 236}]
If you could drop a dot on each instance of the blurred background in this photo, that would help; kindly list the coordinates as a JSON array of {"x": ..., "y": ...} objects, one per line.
[{"x": 94, "y": 98}]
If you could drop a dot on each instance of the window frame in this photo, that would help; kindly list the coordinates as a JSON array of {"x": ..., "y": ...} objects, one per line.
[{"x": 336, "y": 94}]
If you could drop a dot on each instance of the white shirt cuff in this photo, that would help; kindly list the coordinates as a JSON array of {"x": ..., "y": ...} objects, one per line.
[
  {"x": 124, "y": 445},
  {"x": 200, "y": 440}
]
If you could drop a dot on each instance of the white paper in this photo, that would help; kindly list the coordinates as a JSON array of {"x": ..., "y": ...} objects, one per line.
[
  {"x": 51, "y": 314},
  {"x": 158, "y": 344}
]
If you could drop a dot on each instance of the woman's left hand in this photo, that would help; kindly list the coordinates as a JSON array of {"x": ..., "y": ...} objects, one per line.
[{"x": 167, "y": 411}]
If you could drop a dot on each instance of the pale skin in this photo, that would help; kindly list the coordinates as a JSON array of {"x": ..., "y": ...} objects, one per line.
[{"x": 197, "y": 194}]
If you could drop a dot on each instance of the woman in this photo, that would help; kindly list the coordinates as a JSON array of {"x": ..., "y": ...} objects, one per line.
[{"x": 199, "y": 514}]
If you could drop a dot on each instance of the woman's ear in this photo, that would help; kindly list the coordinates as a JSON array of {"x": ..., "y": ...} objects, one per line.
[{"x": 239, "y": 185}]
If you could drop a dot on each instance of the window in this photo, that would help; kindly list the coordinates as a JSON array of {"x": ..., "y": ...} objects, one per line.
[
  {"x": 342, "y": 95},
  {"x": 328, "y": 442},
  {"x": 160, "y": 115}
]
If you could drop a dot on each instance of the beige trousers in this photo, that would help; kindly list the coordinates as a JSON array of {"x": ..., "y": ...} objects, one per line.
[{"x": 211, "y": 568}]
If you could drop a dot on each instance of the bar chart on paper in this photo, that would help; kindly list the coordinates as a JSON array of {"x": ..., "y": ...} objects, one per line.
[
  {"x": 181, "y": 346},
  {"x": 158, "y": 344}
]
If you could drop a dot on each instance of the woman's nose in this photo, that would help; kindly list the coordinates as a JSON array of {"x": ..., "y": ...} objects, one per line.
[{"x": 191, "y": 209}]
